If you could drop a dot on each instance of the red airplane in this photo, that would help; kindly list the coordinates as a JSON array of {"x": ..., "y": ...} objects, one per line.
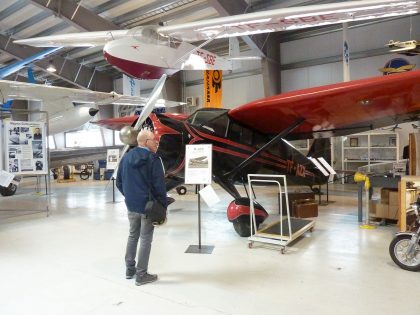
[{"x": 252, "y": 138}]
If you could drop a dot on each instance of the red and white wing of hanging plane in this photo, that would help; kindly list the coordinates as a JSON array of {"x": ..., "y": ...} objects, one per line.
[{"x": 150, "y": 51}]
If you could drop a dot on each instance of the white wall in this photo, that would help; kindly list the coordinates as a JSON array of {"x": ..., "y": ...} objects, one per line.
[{"x": 360, "y": 39}]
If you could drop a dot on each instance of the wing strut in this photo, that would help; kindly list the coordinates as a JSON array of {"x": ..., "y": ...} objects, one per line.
[{"x": 266, "y": 146}]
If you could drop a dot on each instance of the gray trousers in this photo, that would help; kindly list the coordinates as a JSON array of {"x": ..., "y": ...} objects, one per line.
[{"x": 140, "y": 227}]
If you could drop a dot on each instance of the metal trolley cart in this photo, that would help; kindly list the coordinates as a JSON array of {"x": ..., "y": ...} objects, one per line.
[{"x": 283, "y": 231}]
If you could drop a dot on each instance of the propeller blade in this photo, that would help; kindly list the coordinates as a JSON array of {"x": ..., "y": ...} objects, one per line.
[{"x": 147, "y": 109}]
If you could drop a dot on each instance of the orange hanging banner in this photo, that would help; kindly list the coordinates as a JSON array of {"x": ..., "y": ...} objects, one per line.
[{"x": 212, "y": 88}]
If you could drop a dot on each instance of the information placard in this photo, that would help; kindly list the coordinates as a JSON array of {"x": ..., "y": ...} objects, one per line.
[
  {"x": 198, "y": 164},
  {"x": 112, "y": 158},
  {"x": 26, "y": 147}
]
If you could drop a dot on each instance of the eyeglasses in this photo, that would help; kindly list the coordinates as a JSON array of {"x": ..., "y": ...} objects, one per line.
[{"x": 151, "y": 140}]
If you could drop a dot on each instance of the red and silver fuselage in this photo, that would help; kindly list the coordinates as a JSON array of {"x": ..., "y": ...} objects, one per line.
[{"x": 148, "y": 58}]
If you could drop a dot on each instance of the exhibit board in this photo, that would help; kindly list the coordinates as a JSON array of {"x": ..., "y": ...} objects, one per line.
[
  {"x": 26, "y": 148},
  {"x": 112, "y": 158},
  {"x": 198, "y": 164}
]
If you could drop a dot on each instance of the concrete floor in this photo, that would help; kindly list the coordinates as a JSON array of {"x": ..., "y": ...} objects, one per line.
[{"x": 72, "y": 262}]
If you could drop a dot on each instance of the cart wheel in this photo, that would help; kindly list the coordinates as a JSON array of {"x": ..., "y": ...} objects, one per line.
[
  {"x": 250, "y": 245},
  {"x": 283, "y": 250},
  {"x": 181, "y": 190}
]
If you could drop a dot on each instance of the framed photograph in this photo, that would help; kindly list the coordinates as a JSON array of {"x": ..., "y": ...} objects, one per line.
[
  {"x": 392, "y": 141},
  {"x": 354, "y": 142}
]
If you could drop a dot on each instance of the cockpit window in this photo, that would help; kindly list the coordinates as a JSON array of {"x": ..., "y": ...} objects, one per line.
[
  {"x": 215, "y": 121},
  {"x": 239, "y": 133}
]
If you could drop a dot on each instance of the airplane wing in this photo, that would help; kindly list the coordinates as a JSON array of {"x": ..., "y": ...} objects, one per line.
[
  {"x": 288, "y": 19},
  {"x": 246, "y": 24},
  {"x": 55, "y": 95},
  {"x": 337, "y": 109},
  {"x": 84, "y": 39}
]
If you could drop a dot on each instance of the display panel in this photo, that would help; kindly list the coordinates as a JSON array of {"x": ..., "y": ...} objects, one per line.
[{"x": 26, "y": 147}]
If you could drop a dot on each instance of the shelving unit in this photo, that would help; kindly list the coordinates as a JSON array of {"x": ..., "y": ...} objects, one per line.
[{"x": 368, "y": 149}]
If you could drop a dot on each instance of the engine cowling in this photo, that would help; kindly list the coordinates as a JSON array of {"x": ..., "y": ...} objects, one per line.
[{"x": 70, "y": 118}]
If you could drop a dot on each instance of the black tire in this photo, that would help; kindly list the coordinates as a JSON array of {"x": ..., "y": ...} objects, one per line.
[
  {"x": 66, "y": 172},
  {"x": 55, "y": 173},
  {"x": 396, "y": 250},
  {"x": 8, "y": 191},
  {"x": 84, "y": 175},
  {"x": 242, "y": 227},
  {"x": 181, "y": 190}
]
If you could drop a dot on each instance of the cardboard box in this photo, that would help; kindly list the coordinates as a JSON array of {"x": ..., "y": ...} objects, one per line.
[
  {"x": 379, "y": 210},
  {"x": 393, "y": 198},
  {"x": 393, "y": 212},
  {"x": 385, "y": 194}
]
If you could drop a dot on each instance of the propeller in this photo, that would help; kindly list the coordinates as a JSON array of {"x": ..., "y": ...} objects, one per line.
[{"x": 147, "y": 109}]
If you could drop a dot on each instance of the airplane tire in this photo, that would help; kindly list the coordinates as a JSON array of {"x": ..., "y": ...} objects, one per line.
[
  {"x": 84, "y": 175},
  {"x": 242, "y": 227},
  {"x": 181, "y": 190},
  {"x": 8, "y": 191},
  {"x": 66, "y": 172}
]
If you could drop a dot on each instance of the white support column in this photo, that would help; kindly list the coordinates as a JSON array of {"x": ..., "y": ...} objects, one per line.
[{"x": 346, "y": 54}]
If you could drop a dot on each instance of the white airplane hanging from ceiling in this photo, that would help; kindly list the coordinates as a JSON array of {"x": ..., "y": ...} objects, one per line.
[
  {"x": 70, "y": 108},
  {"x": 151, "y": 51}
]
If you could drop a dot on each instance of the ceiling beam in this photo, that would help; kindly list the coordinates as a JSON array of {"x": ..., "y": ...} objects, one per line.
[
  {"x": 67, "y": 70},
  {"x": 12, "y": 9},
  {"x": 83, "y": 19},
  {"x": 146, "y": 9},
  {"x": 29, "y": 22},
  {"x": 179, "y": 12},
  {"x": 110, "y": 4}
]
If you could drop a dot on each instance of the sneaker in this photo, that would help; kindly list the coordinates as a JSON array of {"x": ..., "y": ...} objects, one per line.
[
  {"x": 130, "y": 273},
  {"x": 146, "y": 278}
]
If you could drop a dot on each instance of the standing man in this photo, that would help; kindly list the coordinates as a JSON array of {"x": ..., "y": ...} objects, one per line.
[{"x": 140, "y": 172}]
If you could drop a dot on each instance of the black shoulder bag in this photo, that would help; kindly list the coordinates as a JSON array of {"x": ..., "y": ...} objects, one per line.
[{"x": 154, "y": 209}]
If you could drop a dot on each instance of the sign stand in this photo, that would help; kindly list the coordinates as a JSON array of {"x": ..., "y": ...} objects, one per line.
[
  {"x": 199, "y": 249},
  {"x": 113, "y": 189},
  {"x": 198, "y": 159}
]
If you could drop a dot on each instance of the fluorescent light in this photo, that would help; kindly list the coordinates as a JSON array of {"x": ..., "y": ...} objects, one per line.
[{"x": 51, "y": 67}]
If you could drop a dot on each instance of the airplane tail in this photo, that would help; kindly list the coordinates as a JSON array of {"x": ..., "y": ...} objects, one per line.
[{"x": 31, "y": 78}]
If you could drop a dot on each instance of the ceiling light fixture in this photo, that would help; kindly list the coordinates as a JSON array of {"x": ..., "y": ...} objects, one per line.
[{"x": 51, "y": 67}]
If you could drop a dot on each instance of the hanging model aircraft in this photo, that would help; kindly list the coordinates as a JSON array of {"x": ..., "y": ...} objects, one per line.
[
  {"x": 408, "y": 48},
  {"x": 150, "y": 51},
  {"x": 252, "y": 138},
  {"x": 69, "y": 108}
]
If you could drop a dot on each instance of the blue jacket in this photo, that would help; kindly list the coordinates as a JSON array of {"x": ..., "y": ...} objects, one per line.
[{"x": 136, "y": 174}]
